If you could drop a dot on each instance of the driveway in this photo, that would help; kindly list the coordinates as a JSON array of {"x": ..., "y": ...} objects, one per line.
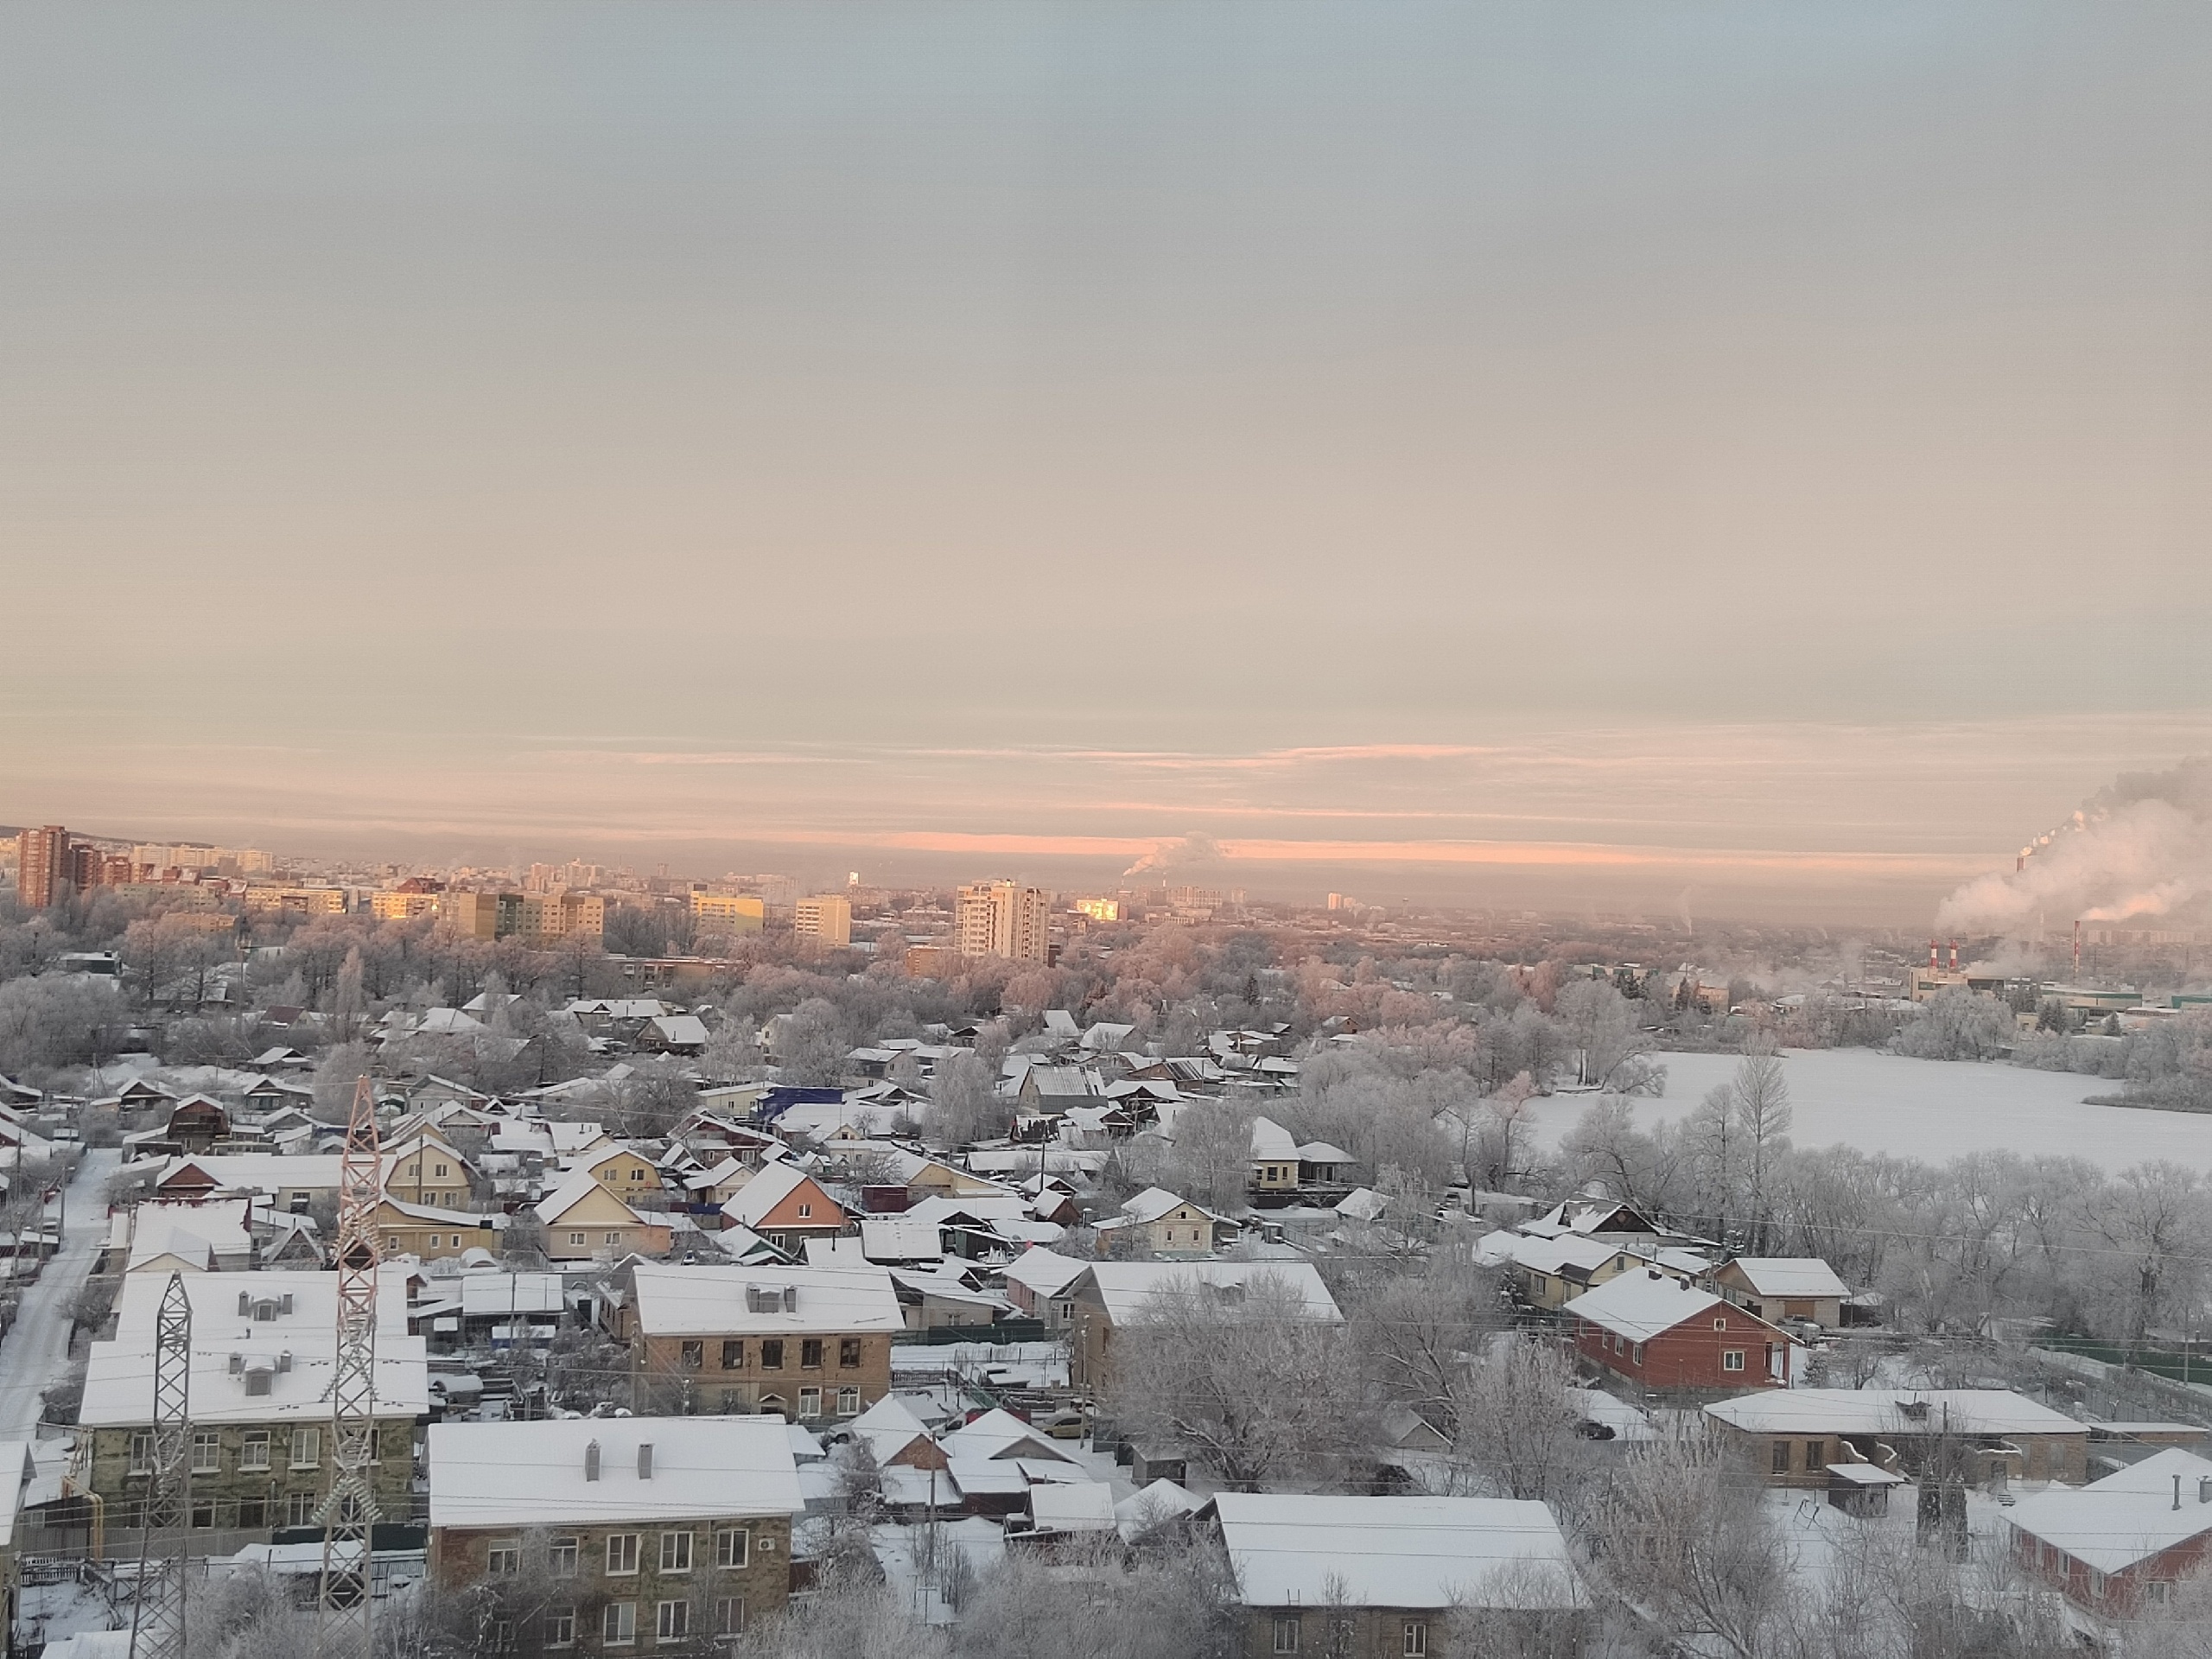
[{"x": 35, "y": 1351}]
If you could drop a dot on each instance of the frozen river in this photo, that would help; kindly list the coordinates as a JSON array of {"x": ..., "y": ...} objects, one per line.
[{"x": 1932, "y": 1111}]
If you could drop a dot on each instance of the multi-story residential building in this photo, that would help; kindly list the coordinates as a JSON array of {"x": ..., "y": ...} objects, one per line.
[
  {"x": 1112, "y": 1295},
  {"x": 608, "y": 1534},
  {"x": 561, "y": 916},
  {"x": 827, "y": 918},
  {"x": 405, "y": 902},
  {"x": 302, "y": 901},
  {"x": 262, "y": 1345},
  {"x": 813, "y": 1344},
  {"x": 729, "y": 913},
  {"x": 1002, "y": 918},
  {"x": 1099, "y": 909},
  {"x": 42, "y": 865}
]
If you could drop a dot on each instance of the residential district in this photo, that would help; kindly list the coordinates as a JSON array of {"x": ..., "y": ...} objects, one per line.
[{"x": 565, "y": 1260}]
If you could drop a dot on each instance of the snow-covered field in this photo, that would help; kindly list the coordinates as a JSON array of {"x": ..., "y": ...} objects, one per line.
[{"x": 1931, "y": 1109}]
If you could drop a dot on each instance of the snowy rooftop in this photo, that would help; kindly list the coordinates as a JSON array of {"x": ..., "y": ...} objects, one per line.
[
  {"x": 1891, "y": 1411},
  {"x": 1790, "y": 1275},
  {"x": 1073, "y": 1506},
  {"x": 542, "y": 1474},
  {"x": 1293, "y": 1550},
  {"x": 1125, "y": 1287},
  {"x": 715, "y": 1301},
  {"x": 2112, "y": 1523},
  {"x": 1640, "y": 1305},
  {"x": 1045, "y": 1272}
]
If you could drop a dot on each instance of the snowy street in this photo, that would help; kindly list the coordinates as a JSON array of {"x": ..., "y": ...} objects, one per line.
[{"x": 35, "y": 1351}]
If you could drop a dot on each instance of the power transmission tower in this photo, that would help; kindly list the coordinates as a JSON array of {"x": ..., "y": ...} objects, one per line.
[
  {"x": 349, "y": 1512},
  {"x": 157, "y": 1613}
]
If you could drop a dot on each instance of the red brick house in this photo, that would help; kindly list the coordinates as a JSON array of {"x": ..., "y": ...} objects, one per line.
[
  {"x": 786, "y": 1206},
  {"x": 1656, "y": 1331},
  {"x": 2119, "y": 1545}
]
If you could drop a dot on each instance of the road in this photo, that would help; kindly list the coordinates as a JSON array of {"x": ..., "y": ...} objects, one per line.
[{"x": 35, "y": 1351}]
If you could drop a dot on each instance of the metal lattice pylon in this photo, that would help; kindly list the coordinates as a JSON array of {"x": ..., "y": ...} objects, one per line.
[
  {"x": 157, "y": 1613},
  {"x": 348, "y": 1514}
]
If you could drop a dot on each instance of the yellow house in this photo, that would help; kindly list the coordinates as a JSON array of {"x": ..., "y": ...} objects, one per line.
[
  {"x": 584, "y": 1219},
  {"x": 619, "y": 1170},
  {"x": 424, "y": 1231},
  {"x": 1274, "y": 1157},
  {"x": 424, "y": 1169}
]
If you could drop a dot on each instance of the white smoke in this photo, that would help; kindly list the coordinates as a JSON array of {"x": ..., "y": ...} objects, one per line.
[
  {"x": 2142, "y": 847},
  {"x": 1196, "y": 848}
]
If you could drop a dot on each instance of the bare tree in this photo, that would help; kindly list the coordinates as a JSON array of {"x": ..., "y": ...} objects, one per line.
[{"x": 1173, "y": 1605}]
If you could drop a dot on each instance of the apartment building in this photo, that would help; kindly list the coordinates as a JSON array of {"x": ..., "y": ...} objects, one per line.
[
  {"x": 812, "y": 1344},
  {"x": 609, "y": 1535},
  {"x": 729, "y": 913},
  {"x": 826, "y": 918},
  {"x": 42, "y": 865},
  {"x": 1002, "y": 918}
]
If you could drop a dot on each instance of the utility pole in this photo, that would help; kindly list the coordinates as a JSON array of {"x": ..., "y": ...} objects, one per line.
[
  {"x": 348, "y": 1515},
  {"x": 157, "y": 1613}
]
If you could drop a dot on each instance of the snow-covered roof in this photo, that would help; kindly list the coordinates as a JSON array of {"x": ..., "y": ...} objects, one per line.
[
  {"x": 260, "y": 1172},
  {"x": 1271, "y": 1140},
  {"x": 682, "y": 1030},
  {"x": 1641, "y": 1306},
  {"x": 1408, "y": 1552},
  {"x": 1000, "y": 1435},
  {"x": 485, "y": 1295},
  {"x": 1890, "y": 1411},
  {"x": 580, "y": 1186},
  {"x": 777, "y": 1179},
  {"x": 1125, "y": 1287},
  {"x": 1154, "y": 1201},
  {"x": 2112, "y": 1523},
  {"x": 714, "y": 1300},
  {"x": 538, "y": 1474},
  {"x": 1361, "y": 1204},
  {"x": 1152, "y": 1506},
  {"x": 893, "y": 1238},
  {"x": 1073, "y": 1506},
  {"x": 1320, "y": 1151},
  {"x": 1790, "y": 1275},
  {"x": 889, "y": 1427},
  {"x": 1045, "y": 1272},
  {"x": 1551, "y": 1255}
]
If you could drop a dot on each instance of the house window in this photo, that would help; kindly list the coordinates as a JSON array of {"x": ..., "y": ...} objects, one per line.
[
  {"x": 848, "y": 1353},
  {"x": 1416, "y": 1639},
  {"x": 848, "y": 1403},
  {"x": 772, "y": 1354},
  {"x": 1286, "y": 1633},
  {"x": 1732, "y": 1360},
  {"x": 1537, "y": 1284},
  {"x": 203, "y": 1515},
  {"x": 307, "y": 1447},
  {"x": 672, "y": 1621},
  {"x": 676, "y": 1552},
  {"x": 142, "y": 1452},
  {"x": 253, "y": 1513},
  {"x": 2160, "y": 1589},
  {"x": 575, "y": 1238},
  {"x": 617, "y": 1624},
  {"x": 1720, "y": 1322},
  {"x": 206, "y": 1452},
  {"x": 1816, "y": 1454},
  {"x": 613, "y": 1239},
  {"x": 694, "y": 1355},
  {"x": 809, "y": 1404},
  {"x": 253, "y": 1451},
  {"x": 621, "y": 1554},
  {"x": 561, "y": 1627},
  {"x": 299, "y": 1509},
  {"x": 806, "y": 1211},
  {"x": 503, "y": 1635},
  {"x": 503, "y": 1558},
  {"x": 732, "y": 1547},
  {"x": 729, "y": 1615},
  {"x": 1637, "y": 1354},
  {"x": 442, "y": 1172},
  {"x": 732, "y": 1355},
  {"x": 561, "y": 1557},
  {"x": 810, "y": 1354}
]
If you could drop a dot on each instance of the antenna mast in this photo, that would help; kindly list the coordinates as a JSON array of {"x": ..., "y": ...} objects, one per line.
[
  {"x": 349, "y": 1513},
  {"x": 157, "y": 1613}
]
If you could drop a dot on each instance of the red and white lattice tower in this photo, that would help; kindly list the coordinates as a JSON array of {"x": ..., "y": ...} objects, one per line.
[
  {"x": 349, "y": 1512},
  {"x": 157, "y": 1614}
]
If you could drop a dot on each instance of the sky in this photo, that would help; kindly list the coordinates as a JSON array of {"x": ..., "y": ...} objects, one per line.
[{"x": 1726, "y": 458}]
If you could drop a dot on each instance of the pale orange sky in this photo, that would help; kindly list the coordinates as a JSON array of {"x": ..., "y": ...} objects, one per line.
[{"x": 1563, "y": 454}]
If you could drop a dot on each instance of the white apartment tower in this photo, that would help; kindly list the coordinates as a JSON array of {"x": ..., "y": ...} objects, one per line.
[{"x": 1002, "y": 918}]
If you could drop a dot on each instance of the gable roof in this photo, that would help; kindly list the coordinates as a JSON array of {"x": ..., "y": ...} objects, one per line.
[
  {"x": 527, "y": 1474},
  {"x": 1046, "y": 1272},
  {"x": 1891, "y": 1411},
  {"x": 1642, "y": 1306},
  {"x": 712, "y": 1301},
  {"x": 1124, "y": 1287},
  {"x": 1271, "y": 1140},
  {"x": 1790, "y": 1275},
  {"x": 777, "y": 1179},
  {"x": 2112, "y": 1523},
  {"x": 580, "y": 1186},
  {"x": 1409, "y": 1551}
]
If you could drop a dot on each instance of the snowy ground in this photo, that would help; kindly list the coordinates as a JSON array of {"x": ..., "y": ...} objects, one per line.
[
  {"x": 36, "y": 1349},
  {"x": 1929, "y": 1108}
]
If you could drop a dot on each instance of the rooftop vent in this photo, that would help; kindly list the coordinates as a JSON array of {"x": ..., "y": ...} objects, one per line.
[
  {"x": 591, "y": 1461},
  {"x": 772, "y": 1299},
  {"x": 645, "y": 1460}
]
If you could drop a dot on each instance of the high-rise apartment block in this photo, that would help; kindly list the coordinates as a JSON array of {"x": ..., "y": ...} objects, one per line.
[
  {"x": 827, "y": 918},
  {"x": 42, "y": 865},
  {"x": 534, "y": 919},
  {"x": 1002, "y": 918},
  {"x": 729, "y": 913}
]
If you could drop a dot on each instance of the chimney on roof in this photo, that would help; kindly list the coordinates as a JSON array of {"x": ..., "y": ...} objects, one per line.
[
  {"x": 646, "y": 1461},
  {"x": 591, "y": 1461},
  {"x": 2176, "y": 1491},
  {"x": 2204, "y": 1489}
]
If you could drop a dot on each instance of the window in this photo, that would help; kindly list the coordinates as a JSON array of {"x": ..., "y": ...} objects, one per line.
[
  {"x": 307, "y": 1447},
  {"x": 561, "y": 1557},
  {"x": 806, "y": 1211},
  {"x": 253, "y": 1451},
  {"x": 575, "y": 1238},
  {"x": 503, "y": 1635},
  {"x": 694, "y": 1356},
  {"x": 441, "y": 1172},
  {"x": 299, "y": 1509},
  {"x": 617, "y": 1624},
  {"x": 732, "y": 1355},
  {"x": 1637, "y": 1353},
  {"x": 809, "y": 1404},
  {"x": 561, "y": 1627},
  {"x": 1416, "y": 1639},
  {"x": 253, "y": 1512},
  {"x": 622, "y": 1554},
  {"x": 772, "y": 1354},
  {"x": 848, "y": 1353},
  {"x": 1286, "y": 1634},
  {"x": 676, "y": 1552},
  {"x": 848, "y": 1403},
  {"x": 732, "y": 1547},
  {"x": 729, "y": 1615},
  {"x": 1721, "y": 1321},
  {"x": 203, "y": 1515},
  {"x": 2160, "y": 1589},
  {"x": 1732, "y": 1360},
  {"x": 613, "y": 1239},
  {"x": 141, "y": 1451},
  {"x": 810, "y": 1354},
  {"x": 1537, "y": 1284},
  {"x": 672, "y": 1621},
  {"x": 1816, "y": 1455},
  {"x": 503, "y": 1558},
  {"x": 1781, "y": 1464}
]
